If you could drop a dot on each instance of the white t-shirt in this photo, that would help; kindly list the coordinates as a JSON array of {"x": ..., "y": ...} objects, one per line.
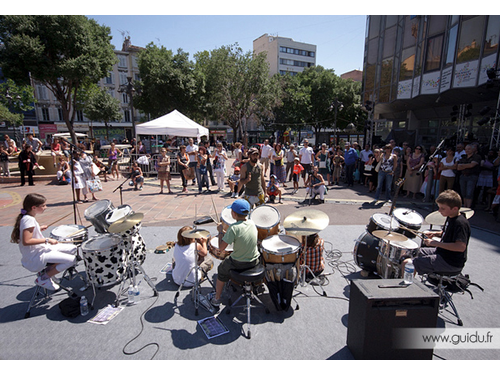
[
  {"x": 184, "y": 260},
  {"x": 305, "y": 154},
  {"x": 365, "y": 154},
  {"x": 189, "y": 149},
  {"x": 31, "y": 259},
  {"x": 448, "y": 172},
  {"x": 266, "y": 151}
]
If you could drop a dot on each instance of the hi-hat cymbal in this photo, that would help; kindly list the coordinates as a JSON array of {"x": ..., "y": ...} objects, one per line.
[
  {"x": 435, "y": 218},
  {"x": 306, "y": 222},
  {"x": 389, "y": 236},
  {"x": 126, "y": 223},
  {"x": 196, "y": 233}
]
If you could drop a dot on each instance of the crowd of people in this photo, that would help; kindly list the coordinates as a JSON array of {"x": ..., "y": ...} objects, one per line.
[{"x": 408, "y": 170}]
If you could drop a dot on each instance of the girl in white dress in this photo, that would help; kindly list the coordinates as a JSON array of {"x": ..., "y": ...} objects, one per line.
[{"x": 36, "y": 250}]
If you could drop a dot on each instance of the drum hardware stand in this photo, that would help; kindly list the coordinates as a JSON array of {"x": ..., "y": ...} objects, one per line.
[{"x": 130, "y": 272}]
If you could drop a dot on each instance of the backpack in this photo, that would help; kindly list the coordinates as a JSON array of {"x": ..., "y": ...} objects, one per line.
[{"x": 458, "y": 284}]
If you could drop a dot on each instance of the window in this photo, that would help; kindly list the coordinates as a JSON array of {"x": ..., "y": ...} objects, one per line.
[
  {"x": 389, "y": 42},
  {"x": 434, "y": 49},
  {"x": 407, "y": 64},
  {"x": 491, "y": 41},
  {"x": 45, "y": 114},
  {"x": 60, "y": 114},
  {"x": 122, "y": 61},
  {"x": 127, "y": 116},
  {"x": 471, "y": 36},
  {"x": 42, "y": 93},
  {"x": 452, "y": 42},
  {"x": 109, "y": 79},
  {"x": 79, "y": 115}
]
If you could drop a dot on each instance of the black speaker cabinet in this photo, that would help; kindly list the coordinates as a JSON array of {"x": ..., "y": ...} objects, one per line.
[{"x": 379, "y": 306}]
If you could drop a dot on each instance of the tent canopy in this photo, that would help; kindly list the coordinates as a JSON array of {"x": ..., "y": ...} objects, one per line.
[{"x": 174, "y": 124}]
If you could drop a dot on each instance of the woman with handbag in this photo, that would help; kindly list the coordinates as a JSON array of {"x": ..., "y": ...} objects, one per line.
[
  {"x": 202, "y": 171},
  {"x": 183, "y": 165}
]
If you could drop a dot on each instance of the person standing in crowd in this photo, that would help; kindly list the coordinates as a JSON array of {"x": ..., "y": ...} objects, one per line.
[
  {"x": 27, "y": 164},
  {"x": 79, "y": 180},
  {"x": 386, "y": 172},
  {"x": 192, "y": 151},
  {"x": 350, "y": 158},
  {"x": 88, "y": 174},
  {"x": 220, "y": 158},
  {"x": 306, "y": 155},
  {"x": 113, "y": 154},
  {"x": 297, "y": 171},
  {"x": 209, "y": 163},
  {"x": 322, "y": 159},
  {"x": 470, "y": 167},
  {"x": 265, "y": 155},
  {"x": 183, "y": 163},
  {"x": 447, "y": 167},
  {"x": 413, "y": 178},
  {"x": 4, "y": 161},
  {"x": 252, "y": 178},
  {"x": 278, "y": 157},
  {"x": 364, "y": 155},
  {"x": 201, "y": 169},
  {"x": 238, "y": 155},
  {"x": 164, "y": 170},
  {"x": 291, "y": 154},
  {"x": 337, "y": 164}
]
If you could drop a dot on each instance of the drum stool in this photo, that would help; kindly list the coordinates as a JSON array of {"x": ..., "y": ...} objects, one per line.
[
  {"x": 441, "y": 281},
  {"x": 39, "y": 290},
  {"x": 248, "y": 278}
]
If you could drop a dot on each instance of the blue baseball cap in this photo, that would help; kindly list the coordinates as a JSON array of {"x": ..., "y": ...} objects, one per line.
[{"x": 241, "y": 207}]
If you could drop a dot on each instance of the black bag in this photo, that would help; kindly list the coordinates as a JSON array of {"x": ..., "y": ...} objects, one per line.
[
  {"x": 459, "y": 284},
  {"x": 70, "y": 307}
]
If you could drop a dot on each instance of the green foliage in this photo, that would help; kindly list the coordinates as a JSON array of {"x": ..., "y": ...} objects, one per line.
[
  {"x": 21, "y": 100},
  {"x": 6, "y": 115}
]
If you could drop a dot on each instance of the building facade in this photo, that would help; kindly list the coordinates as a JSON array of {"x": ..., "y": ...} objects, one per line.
[
  {"x": 284, "y": 55},
  {"x": 49, "y": 112},
  {"x": 427, "y": 77}
]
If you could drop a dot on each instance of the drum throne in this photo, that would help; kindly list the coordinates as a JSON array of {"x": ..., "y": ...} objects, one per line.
[{"x": 248, "y": 279}]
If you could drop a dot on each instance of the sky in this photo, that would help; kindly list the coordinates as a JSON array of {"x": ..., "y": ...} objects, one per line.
[{"x": 339, "y": 38}]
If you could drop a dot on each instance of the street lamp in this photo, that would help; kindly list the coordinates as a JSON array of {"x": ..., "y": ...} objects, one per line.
[{"x": 129, "y": 89}]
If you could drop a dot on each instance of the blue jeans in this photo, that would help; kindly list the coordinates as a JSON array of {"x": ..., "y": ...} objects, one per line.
[
  {"x": 387, "y": 178},
  {"x": 467, "y": 185}
]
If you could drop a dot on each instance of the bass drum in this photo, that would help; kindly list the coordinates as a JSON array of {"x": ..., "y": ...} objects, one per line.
[{"x": 366, "y": 252}]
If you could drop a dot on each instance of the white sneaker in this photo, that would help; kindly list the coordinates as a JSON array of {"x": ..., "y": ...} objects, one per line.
[
  {"x": 233, "y": 195},
  {"x": 47, "y": 283}
]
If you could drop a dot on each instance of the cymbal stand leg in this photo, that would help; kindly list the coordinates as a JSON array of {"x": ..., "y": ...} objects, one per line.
[{"x": 145, "y": 275}]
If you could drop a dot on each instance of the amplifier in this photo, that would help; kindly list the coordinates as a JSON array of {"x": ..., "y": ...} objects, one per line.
[{"x": 378, "y": 306}]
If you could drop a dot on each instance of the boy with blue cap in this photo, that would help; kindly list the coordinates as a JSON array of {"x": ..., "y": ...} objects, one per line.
[{"x": 245, "y": 255}]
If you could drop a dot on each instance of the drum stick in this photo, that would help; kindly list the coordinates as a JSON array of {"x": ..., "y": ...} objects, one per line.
[
  {"x": 58, "y": 220},
  {"x": 416, "y": 233},
  {"x": 79, "y": 231},
  {"x": 215, "y": 210}
]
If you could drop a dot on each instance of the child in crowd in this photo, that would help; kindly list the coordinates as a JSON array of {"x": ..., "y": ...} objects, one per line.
[
  {"x": 297, "y": 170},
  {"x": 233, "y": 182},
  {"x": 4, "y": 161},
  {"x": 273, "y": 189}
]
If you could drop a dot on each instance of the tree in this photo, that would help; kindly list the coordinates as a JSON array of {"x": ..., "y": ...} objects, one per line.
[
  {"x": 18, "y": 100},
  {"x": 62, "y": 52},
  {"x": 167, "y": 82},
  {"x": 100, "y": 106},
  {"x": 237, "y": 85}
]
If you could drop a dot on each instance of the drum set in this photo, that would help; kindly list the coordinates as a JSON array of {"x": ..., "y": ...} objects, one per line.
[
  {"x": 389, "y": 239},
  {"x": 118, "y": 250}
]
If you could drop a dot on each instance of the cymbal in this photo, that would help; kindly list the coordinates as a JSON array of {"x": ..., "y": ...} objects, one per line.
[
  {"x": 389, "y": 236},
  {"x": 126, "y": 223},
  {"x": 196, "y": 233},
  {"x": 435, "y": 218},
  {"x": 306, "y": 222}
]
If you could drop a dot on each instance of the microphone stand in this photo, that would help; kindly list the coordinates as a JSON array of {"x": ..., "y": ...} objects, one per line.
[{"x": 121, "y": 188}]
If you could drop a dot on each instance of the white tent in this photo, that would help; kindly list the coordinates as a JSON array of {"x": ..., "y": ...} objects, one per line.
[{"x": 174, "y": 124}]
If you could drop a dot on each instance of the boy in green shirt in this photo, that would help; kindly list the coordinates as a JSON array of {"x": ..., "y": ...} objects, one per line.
[{"x": 243, "y": 235}]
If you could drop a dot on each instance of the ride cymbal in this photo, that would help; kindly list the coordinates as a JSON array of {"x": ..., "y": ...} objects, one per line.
[
  {"x": 306, "y": 222},
  {"x": 435, "y": 218},
  {"x": 126, "y": 223}
]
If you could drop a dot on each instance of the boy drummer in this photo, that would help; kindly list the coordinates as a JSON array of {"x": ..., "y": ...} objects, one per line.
[{"x": 449, "y": 254}]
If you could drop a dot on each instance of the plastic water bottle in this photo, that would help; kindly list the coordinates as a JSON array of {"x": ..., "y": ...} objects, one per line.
[
  {"x": 131, "y": 295},
  {"x": 137, "y": 297},
  {"x": 84, "y": 306},
  {"x": 409, "y": 269}
]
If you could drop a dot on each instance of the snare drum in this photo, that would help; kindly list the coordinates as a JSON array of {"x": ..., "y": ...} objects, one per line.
[
  {"x": 97, "y": 213},
  {"x": 280, "y": 248},
  {"x": 267, "y": 220},
  {"x": 213, "y": 248},
  {"x": 398, "y": 250},
  {"x": 64, "y": 233},
  {"x": 366, "y": 251},
  {"x": 382, "y": 222},
  {"x": 410, "y": 219},
  {"x": 390, "y": 256},
  {"x": 226, "y": 218},
  {"x": 105, "y": 258}
]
